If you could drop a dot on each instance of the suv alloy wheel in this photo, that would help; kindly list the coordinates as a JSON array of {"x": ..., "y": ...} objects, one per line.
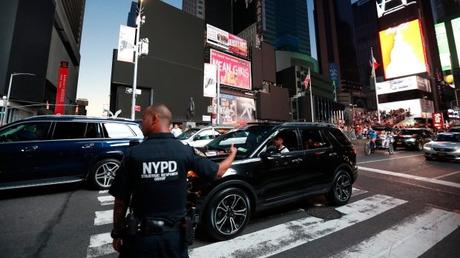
[
  {"x": 103, "y": 173},
  {"x": 340, "y": 192},
  {"x": 227, "y": 214}
]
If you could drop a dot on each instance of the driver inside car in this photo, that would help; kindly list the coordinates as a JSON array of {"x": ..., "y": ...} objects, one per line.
[{"x": 278, "y": 141}]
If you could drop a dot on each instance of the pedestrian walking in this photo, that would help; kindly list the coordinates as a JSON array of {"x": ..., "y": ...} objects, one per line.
[{"x": 151, "y": 181}]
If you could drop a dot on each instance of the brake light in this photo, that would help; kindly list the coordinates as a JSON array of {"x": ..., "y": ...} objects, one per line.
[
  {"x": 414, "y": 135},
  {"x": 192, "y": 174}
]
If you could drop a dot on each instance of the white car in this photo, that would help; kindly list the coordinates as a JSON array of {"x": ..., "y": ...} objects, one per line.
[
  {"x": 446, "y": 146},
  {"x": 199, "y": 137}
]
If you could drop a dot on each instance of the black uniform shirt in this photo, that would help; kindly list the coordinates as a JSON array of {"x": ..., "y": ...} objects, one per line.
[{"x": 155, "y": 173}]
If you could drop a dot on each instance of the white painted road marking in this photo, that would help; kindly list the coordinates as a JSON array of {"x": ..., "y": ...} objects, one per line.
[
  {"x": 356, "y": 192},
  {"x": 378, "y": 160},
  {"x": 99, "y": 245},
  {"x": 447, "y": 175},
  {"x": 106, "y": 200},
  {"x": 418, "y": 178},
  {"x": 280, "y": 238},
  {"x": 411, "y": 238},
  {"x": 104, "y": 192},
  {"x": 103, "y": 217}
]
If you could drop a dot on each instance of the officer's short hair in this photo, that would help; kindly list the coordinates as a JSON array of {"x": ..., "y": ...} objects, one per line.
[{"x": 161, "y": 110}]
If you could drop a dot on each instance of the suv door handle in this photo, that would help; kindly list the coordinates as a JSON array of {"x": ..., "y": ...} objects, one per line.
[
  {"x": 87, "y": 146},
  {"x": 29, "y": 149}
]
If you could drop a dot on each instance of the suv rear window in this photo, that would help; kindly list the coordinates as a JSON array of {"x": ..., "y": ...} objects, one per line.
[
  {"x": 69, "y": 130},
  {"x": 118, "y": 130},
  {"x": 339, "y": 136},
  {"x": 312, "y": 139}
]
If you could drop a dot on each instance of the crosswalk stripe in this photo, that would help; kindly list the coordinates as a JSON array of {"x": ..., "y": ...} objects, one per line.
[
  {"x": 282, "y": 237},
  {"x": 356, "y": 192},
  {"x": 106, "y": 200},
  {"x": 103, "y": 191},
  {"x": 411, "y": 238},
  {"x": 103, "y": 217},
  {"x": 99, "y": 245}
]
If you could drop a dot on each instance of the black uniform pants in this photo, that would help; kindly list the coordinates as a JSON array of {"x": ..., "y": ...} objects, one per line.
[{"x": 169, "y": 244}]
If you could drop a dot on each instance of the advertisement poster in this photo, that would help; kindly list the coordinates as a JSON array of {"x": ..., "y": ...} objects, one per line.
[
  {"x": 403, "y": 52},
  {"x": 126, "y": 44},
  {"x": 233, "y": 71},
  {"x": 226, "y": 41},
  {"x": 236, "y": 110},
  {"x": 403, "y": 84},
  {"x": 61, "y": 89},
  {"x": 443, "y": 46},
  {"x": 438, "y": 120},
  {"x": 456, "y": 32},
  {"x": 210, "y": 81}
]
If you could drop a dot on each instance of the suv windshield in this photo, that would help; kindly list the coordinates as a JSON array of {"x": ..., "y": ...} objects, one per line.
[
  {"x": 410, "y": 132},
  {"x": 187, "y": 134},
  {"x": 246, "y": 139},
  {"x": 448, "y": 138}
]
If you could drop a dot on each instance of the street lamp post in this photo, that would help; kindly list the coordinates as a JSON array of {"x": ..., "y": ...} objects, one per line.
[{"x": 5, "y": 114}]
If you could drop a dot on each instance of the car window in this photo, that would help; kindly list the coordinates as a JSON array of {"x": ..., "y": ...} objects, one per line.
[
  {"x": 312, "y": 139},
  {"x": 289, "y": 139},
  {"x": 118, "y": 130},
  {"x": 69, "y": 130},
  {"x": 339, "y": 136},
  {"x": 136, "y": 130},
  {"x": 93, "y": 130},
  {"x": 31, "y": 131},
  {"x": 448, "y": 138}
]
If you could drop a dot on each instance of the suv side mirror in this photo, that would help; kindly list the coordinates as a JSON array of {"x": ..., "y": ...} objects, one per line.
[{"x": 271, "y": 150}]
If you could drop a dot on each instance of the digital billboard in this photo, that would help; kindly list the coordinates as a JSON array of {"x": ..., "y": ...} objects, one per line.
[
  {"x": 403, "y": 84},
  {"x": 402, "y": 48},
  {"x": 227, "y": 41},
  {"x": 232, "y": 71},
  {"x": 456, "y": 32},
  {"x": 443, "y": 46},
  {"x": 234, "y": 109}
]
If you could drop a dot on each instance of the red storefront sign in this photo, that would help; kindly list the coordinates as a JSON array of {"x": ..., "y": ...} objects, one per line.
[
  {"x": 62, "y": 83},
  {"x": 438, "y": 120}
]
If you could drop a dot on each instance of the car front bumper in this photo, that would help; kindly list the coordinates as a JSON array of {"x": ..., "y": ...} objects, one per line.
[{"x": 430, "y": 153}]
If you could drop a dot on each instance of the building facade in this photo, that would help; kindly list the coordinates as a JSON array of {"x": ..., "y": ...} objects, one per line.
[
  {"x": 194, "y": 7},
  {"x": 37, "y": 36}
]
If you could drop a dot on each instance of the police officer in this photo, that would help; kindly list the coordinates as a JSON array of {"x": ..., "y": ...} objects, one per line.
[{"x": 152, "y": 180}]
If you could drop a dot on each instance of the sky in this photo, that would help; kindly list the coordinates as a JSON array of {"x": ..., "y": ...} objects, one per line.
[{"x": 101, "y": 26}]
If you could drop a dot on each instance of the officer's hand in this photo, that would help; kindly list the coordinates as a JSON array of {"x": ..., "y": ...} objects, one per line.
[
  {"x": 232, "y": 150},
  {"x": 117, "y": 244}
]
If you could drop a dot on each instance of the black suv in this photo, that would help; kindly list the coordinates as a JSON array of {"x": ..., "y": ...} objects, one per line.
[
  {"x": 45, "y": 150},
  {"x": 320, "y": 160},
  {"x": 412, "y": 138}
]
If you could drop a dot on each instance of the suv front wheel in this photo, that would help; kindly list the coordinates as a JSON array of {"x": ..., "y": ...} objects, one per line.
[
  {"x": 103, "y": 172},
  {"x": 340, "y": 192},
  {"x": 227, "y": 214}
]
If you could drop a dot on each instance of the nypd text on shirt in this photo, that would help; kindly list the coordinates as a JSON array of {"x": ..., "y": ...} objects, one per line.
[{"x": 160, "y": 170}]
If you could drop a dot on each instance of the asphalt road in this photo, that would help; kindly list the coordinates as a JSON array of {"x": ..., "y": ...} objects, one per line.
[{"x": 403, "y": 206}]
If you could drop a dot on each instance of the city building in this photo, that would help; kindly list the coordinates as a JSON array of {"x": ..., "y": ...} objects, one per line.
[
  {"x": 41, "y": 38},
  {"x": 337, "y": 49},
  {"x": 194, "y": 7}
]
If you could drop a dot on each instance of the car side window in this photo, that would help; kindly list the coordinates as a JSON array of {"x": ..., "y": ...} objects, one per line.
[
  {"x": 287, "y": 138},
  {"x": 69, "y": 130},
  {"x": 93, "y": 130},
  {"x": 340, "y": 137},
  {"x": 312, "y": 139},
  {"x": 118, "y": 130},
  {"x": 32, "y": 131}
]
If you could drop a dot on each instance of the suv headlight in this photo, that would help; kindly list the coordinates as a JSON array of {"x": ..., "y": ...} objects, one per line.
[{"x": 410, "y": 140}]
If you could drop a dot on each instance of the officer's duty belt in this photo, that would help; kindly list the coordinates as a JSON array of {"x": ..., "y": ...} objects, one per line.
[{"x": 155, "y": 226}]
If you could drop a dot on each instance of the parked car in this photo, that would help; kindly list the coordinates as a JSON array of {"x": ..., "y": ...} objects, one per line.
[
  {"x": 454, "y": 129},
  {"x": 199, "y": 137},
  {"x": 446, "y": 146},
  {"x": 45, "y": 150},
  {"x": 412, "y": 138},
  {"x": 321, "y": 160}
]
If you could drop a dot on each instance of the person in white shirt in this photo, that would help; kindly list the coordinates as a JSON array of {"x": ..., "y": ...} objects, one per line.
[
  {"x": 279, "y": 144},
  {"x": 176, "y": 131}
]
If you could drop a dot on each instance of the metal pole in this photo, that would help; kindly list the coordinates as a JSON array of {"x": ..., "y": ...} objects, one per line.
[
  {"x": 311, "y": 104},
  {"x": 136, "y": 58},
  {"x": 5, "y": 114},
  {"x": 218, "y": 96},
  {"x": 456, "y": 97},
  {"x": 375, "y": 84}
]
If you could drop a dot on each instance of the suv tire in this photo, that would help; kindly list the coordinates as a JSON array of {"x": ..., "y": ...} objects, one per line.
[
  {"x": 227, "y": 214},
  {"x": 103, "y": 172},
  {"x": 341, "y": 190}
]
